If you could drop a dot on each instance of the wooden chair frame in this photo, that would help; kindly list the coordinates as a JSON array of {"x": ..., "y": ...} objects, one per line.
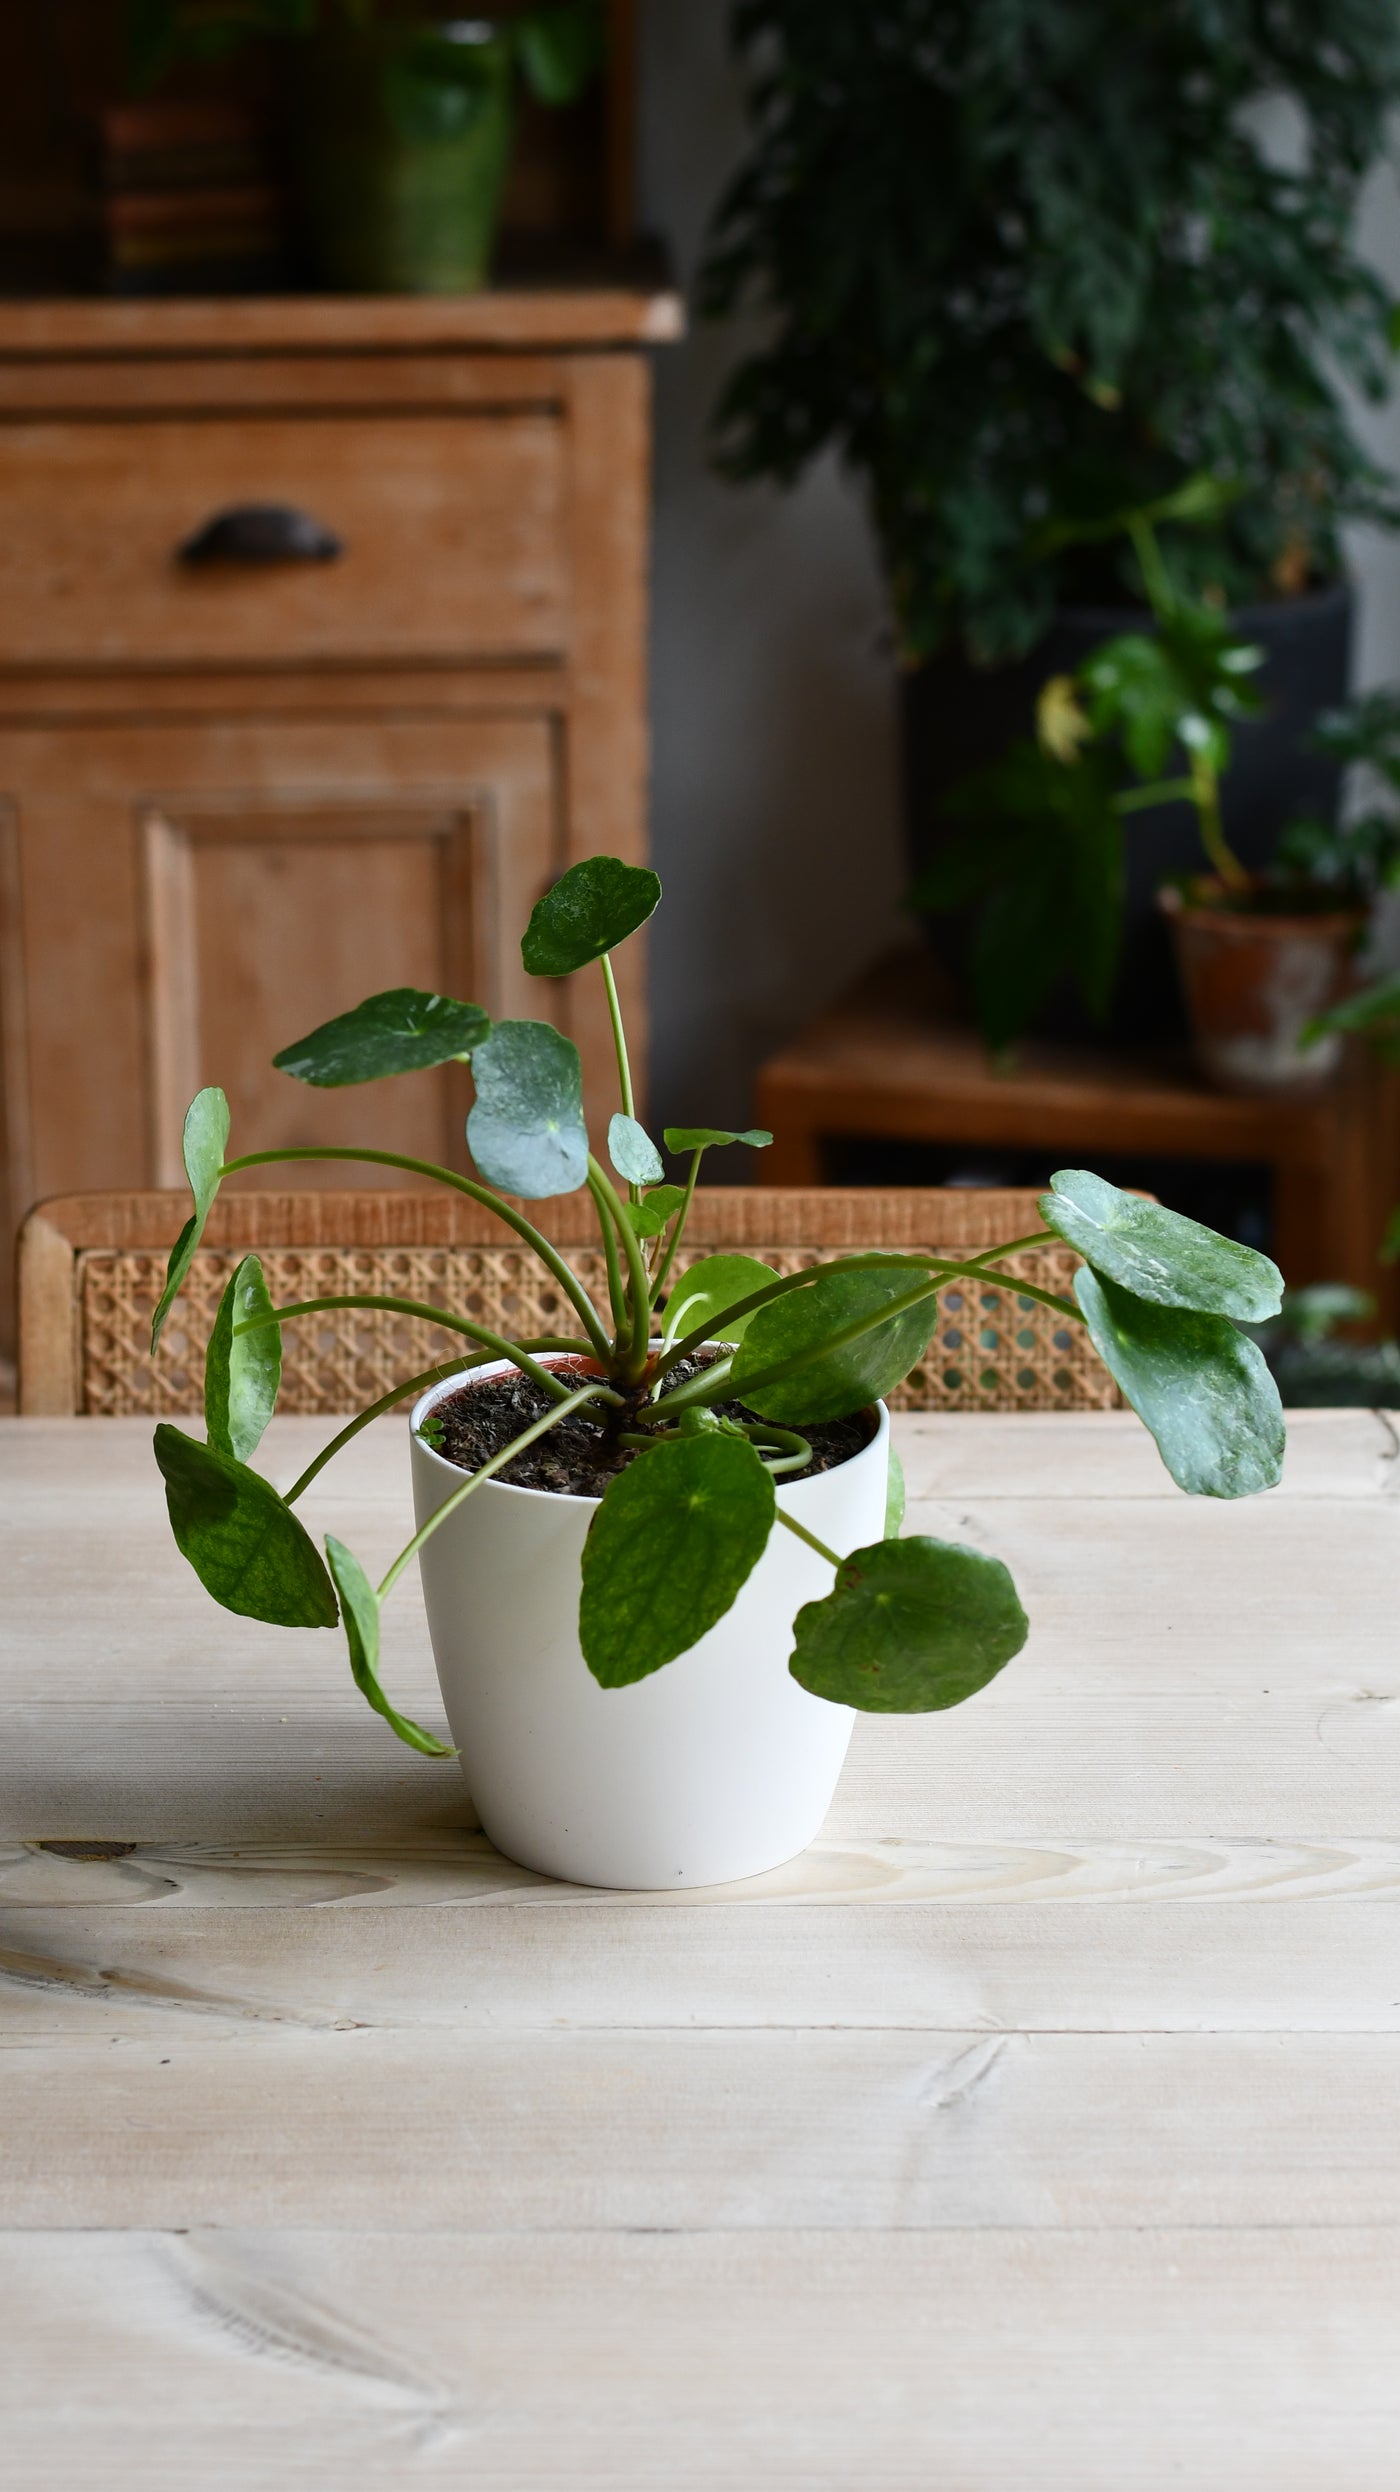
[{"x": 61, "y": 1236}]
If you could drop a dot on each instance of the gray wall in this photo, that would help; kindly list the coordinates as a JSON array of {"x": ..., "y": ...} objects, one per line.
[
  {"x": 774, "y": 794},
  {"x": 774, "y": 810}
]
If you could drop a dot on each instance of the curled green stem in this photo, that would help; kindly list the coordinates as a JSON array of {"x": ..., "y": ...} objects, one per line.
[
  {"x": 524, "y": 1229},
  {"x": 412, "y": 1386},
  {"x": 477, "y": 1479},
  {"x": 678, "y": 1229},
  {"x": 495, "y": 1343}
]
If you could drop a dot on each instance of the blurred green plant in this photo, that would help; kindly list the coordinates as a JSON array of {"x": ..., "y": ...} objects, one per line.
[
  {"x": 1147, "y": 719},
  {"x": 1023, "y": 267},
  {"x": 1358, "y": 856}
]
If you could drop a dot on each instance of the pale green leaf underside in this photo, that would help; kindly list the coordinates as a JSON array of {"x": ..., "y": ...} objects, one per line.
[
  {"x": 242, "y": 1371},
  {"x": 526, "y": 1131},
  {"x": 1158, "y": 1254},
  {"x": 633, "y": 1153},
  {"x": 1201, "y": 1388}
]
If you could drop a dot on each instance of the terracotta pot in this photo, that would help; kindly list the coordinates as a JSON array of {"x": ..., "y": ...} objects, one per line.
[
  {"x": 1252, "y": 979},
  {"x": 957, "y": 717}
]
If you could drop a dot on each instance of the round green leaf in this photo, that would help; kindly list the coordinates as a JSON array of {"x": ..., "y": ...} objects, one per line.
[
  {"x": 824, "y": 1351},
  {"x": 526, "y": 1131},
  {"x": 203, "y": 1145},
  {"x": 1200, "y": 1387},
  {"x": 676, "y": 1536},
  {"x": 242, "y": 1370},
  {"x": 705, "y": 1293},
  {"x": 1158, "y": 1254},
  {"x": 712, "y": 1138},
  {"x": 912, "y": 1626},
  {"x": 359, "y": 1608},
  {"x": 245, "y": 1545},
  {"x": 633, "y": 1153},
  {"x": 591, "y": 909},
  {"x": 401, "y": 1031}
]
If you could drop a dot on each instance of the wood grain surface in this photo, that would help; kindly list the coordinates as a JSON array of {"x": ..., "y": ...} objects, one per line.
[{"x": 1036, "y": 2128}]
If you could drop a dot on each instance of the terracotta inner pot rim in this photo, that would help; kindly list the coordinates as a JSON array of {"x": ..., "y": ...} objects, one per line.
[{"x": 1247, "y": 925}]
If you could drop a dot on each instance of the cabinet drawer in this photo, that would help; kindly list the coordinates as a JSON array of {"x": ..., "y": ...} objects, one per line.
[{"x": 451, "y": 527}]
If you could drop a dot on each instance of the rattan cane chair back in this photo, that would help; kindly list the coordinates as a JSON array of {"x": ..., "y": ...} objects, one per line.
[{"x": 91, "y": 1267}]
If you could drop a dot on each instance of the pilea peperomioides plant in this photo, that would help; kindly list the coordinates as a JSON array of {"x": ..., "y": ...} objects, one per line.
[{"x": 695, "y": 1393}]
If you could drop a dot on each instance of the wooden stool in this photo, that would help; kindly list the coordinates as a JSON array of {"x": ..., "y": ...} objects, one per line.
[{"x": 880, "y": 1064}]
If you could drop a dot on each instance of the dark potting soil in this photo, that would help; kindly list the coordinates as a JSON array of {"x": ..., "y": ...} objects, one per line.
[{"x": 576, "y": 1459}]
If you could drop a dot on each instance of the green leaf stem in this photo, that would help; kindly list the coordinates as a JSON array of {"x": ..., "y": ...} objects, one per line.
[
  {"x": 895, "y": 1497},
  {"x": 705, "y": 1293}
]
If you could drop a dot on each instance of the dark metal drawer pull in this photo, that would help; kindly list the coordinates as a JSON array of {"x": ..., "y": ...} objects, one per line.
[{"x": 255, "y": 532}]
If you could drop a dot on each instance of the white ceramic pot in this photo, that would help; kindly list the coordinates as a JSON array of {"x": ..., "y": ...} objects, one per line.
[{"x": 716, "y": 1767}]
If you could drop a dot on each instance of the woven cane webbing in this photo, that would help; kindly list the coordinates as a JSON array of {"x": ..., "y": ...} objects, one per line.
[{"x": 993, "y": 1349}]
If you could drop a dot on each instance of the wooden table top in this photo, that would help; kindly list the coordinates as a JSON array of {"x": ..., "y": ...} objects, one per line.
[{"x": 1036, "y": 2128}]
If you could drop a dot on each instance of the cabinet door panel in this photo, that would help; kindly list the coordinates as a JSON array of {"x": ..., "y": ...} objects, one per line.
[{"x": 194, "y": 896}]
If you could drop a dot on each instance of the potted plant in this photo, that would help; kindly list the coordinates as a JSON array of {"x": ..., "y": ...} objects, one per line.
[
  {"x": 1147, "y": 722},
  {"x": 660, "y": 1550},
  {"x": 402, "y": 125},
  {"x": 1023, "y": 268}
]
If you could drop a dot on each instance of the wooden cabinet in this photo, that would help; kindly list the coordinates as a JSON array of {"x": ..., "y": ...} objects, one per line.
[{"x": 236, "y": 797}]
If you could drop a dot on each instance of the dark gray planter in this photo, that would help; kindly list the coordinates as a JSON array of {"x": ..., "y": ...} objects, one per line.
[{"x": 957, "y": 717}]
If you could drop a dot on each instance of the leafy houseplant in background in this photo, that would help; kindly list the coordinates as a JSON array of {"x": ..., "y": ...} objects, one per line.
[
  {"x": 1147, "y": 721},
  {"x": 1025, "y": 268},
  {"x": 402, "y": 124},
  {"x": 660, "y": 1550}
]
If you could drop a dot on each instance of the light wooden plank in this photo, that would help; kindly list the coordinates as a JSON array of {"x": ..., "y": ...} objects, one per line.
[
  {"x": 1070, "y": 1456},
  {"x": 1085, "y": 1456},
  {"x": 987, "y": 2361},
  {"x": 443, "y": 1866},
  {"x": 1222, "y": 1967},
  {"x": 561, "y": 2131}
]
